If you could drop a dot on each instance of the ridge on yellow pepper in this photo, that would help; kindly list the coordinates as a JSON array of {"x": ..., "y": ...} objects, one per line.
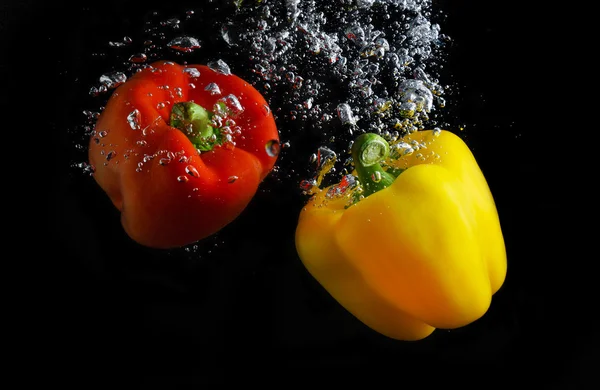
[{"x": 422, "y": 250}]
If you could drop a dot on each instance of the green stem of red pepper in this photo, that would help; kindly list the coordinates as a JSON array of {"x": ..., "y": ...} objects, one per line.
[
  {"x": 195, "y": 122},
  {"x": 368, "y": 151}
]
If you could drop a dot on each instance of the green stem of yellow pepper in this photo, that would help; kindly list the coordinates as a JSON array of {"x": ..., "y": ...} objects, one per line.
[{"x": 368, "y": 151}]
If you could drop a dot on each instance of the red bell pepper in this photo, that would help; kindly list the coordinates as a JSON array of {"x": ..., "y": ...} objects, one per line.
[{"x": 181, "y": 151}]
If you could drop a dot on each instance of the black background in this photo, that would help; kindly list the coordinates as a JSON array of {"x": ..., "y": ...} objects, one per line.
[{"x": 248, "y": 313}]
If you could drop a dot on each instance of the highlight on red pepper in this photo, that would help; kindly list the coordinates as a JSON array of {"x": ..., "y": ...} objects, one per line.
[
  {"x": 181, "y": 151},
  {"x": 411, "y": 241}
]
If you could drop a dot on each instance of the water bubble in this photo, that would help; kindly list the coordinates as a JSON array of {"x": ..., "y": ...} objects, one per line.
[
  {"x": 219, "y": 66},
  {"x": 272, "y": 148},
  {"x": 298, "y": 80},
  {"x": 402, "y": 149},
  {"x": 408, "y": 109},
  {"x": 363, "y": 85},
  {"x": 229, "y": 105},
  {"x": 192, "y": 72},
  {"x": 269, "y": 45},
  {"x": 138, "y": 58},
  {"x": 376, "y": 176},
  {"x": 182, "y": 179},
  {"x": 213, "y": 88},
  {"x": 325, "y": 159},
  {"x": 422, "y": 31},
  {"x": 382, "y": 105},
  {"x": 356, "y": 34},
  {"x": 415, "y": 91},
  {"x": 192, "y": 171},
  {"x": 111, "y": 155},
  {"x": 232, "y": 179},
  {"x": 345, "y": 114},
  {"x": 436, "y": 132},
  {"x": 382, "y": 43},
  {"x": 91, "y": 114},
  {"x": 134, "y": 119},
  {"x": 113, "y": 79},
  {"x": 125, "y": 41},
  {"x": 228, "y": 34},
  {"x": 184, "y": 44},
  {"x": 164, "y": 161},
  {"x": 85, "y": 168},
  {"x": 344, "y": 187},
  {"x": 308, "y": 103},
  {"x": 292, "y": 9},
  {"x": 308, "y": 185},
  {"x": 102, "y": 133},
  {"x": 364, "y": 3},
  {"x": 173, "y": 22},
  {"x": 266, "y": 110}
]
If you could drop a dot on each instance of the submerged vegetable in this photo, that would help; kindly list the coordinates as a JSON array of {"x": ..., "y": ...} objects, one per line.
[
  {"x": 181, "y": 151},
  {"x": 423, "y": 250}
]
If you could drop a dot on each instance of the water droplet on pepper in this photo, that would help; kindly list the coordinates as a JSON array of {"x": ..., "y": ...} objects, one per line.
[
  {"x": 192, "y": 171},
  {"x": 266, "y": 110},
  {"x": 272, "y": 148},
  {"x": 213, "y": 88},
  {"x": 376, "y": 177},
  {"x": 192, "y": 72},
  {"x": 134, "y": 119}
]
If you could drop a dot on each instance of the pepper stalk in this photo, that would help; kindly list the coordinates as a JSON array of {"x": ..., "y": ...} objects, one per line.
[
  {"x": 196, "y": 122},
  {"x": 368, "y": 151}
]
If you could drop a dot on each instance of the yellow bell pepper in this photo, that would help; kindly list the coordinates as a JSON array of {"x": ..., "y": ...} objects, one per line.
[{"x": 422, "y": 249}]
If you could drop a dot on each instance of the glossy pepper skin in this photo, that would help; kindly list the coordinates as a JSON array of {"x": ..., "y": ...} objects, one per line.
[
  {"x": 425, "y": 252},
  {"x": 169, "y": 192}
]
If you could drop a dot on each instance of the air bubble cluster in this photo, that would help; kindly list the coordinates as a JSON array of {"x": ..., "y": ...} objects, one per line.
[{"x": 329, "y": 60}]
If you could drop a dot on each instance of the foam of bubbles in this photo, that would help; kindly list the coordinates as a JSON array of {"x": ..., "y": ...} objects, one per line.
[
  {"x": 370, "y": 65},
  {"x": 369, "y": 50}
]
